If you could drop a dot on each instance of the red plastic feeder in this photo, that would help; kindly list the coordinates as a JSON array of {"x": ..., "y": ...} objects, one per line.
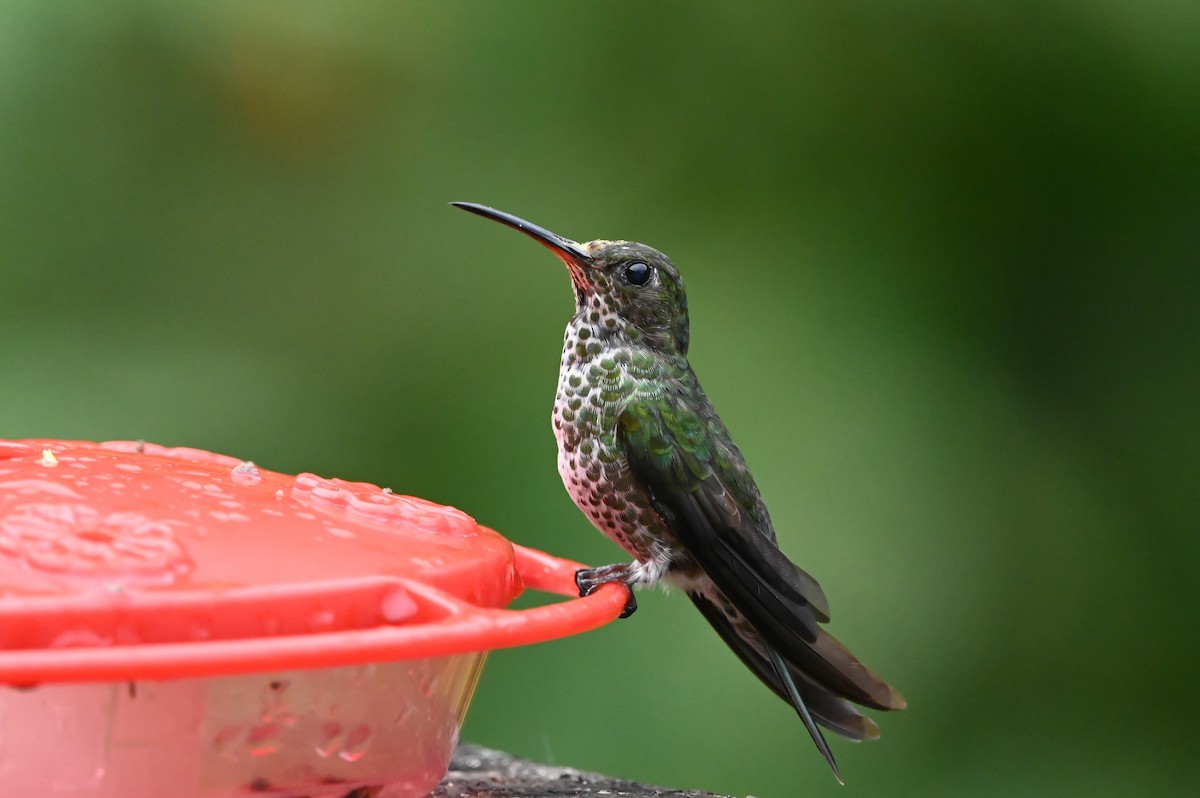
[{"x": 179, "y": 623}]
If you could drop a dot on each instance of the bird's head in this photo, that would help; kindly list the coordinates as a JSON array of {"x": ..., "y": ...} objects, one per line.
[{"x": 622, "y": 289}]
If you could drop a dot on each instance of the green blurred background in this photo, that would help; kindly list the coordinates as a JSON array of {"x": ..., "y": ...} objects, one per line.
[{"x": 941, "y": 262}]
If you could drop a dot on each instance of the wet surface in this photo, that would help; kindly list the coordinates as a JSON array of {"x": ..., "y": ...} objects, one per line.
[
  {"x": 129, "y": 542},
  {"x": 477, "y": 772}
]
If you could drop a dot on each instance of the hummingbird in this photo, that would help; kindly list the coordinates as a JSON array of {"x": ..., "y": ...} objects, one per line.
[{"x": 644, "y": 455}]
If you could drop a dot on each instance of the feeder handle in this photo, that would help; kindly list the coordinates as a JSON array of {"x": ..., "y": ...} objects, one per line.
[
  {"x": 452, "y": 626},
  {"x": 464, "y": 625},
  {"x": 547, "y": 573}
]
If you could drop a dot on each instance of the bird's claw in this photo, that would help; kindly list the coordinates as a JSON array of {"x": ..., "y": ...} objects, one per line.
[
  {"x": 630, "y": 604},
  {"x": 588, "y": 579}
]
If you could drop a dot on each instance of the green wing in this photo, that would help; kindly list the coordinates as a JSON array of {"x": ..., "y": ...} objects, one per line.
[
  {"x": 699, "y": 490},
  {"x": 671, "y": 453}
]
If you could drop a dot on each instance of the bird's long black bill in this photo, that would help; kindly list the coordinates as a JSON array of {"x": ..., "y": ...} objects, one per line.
[{"x": 564, "y": 247}]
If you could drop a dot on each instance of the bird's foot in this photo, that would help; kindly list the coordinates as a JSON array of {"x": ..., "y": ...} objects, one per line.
[{"x": 588, "y": 579}]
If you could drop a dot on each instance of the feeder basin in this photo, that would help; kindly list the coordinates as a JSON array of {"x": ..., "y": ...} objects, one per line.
[{"x": 179, "y": 623}]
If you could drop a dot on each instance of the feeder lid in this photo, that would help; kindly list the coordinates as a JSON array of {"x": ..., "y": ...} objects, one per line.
[{"x": 151, "y": 549}]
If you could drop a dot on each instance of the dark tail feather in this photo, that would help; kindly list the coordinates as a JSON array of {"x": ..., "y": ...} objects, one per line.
[
  {"x": 812, "y": 700},
  {"x": 781, "y": 672},
  {"x": 826, "y": 707},
  {"x": 831, "y": 711},
  {"x": 849, "y": 677}
]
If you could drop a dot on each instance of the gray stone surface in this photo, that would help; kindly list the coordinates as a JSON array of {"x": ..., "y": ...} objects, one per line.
[{"x": 477, "y": 772}]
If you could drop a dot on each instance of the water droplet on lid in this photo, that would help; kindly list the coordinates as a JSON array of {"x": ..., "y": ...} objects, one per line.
[
  {"x": 333, "y": 734},
  {"x": 322, "y": 620},
  {"x": 265, "y": 738},
  {"x": 228, "y": 518},
  {"x": 357, "y": 740},
  {"x": 246, "y": 474},
  {"x": 397, "y": 606},
  {"x": 332, "y": 495}
]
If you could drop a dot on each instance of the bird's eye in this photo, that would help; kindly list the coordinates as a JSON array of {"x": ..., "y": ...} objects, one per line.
[{"x": 637, "y": 273}]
